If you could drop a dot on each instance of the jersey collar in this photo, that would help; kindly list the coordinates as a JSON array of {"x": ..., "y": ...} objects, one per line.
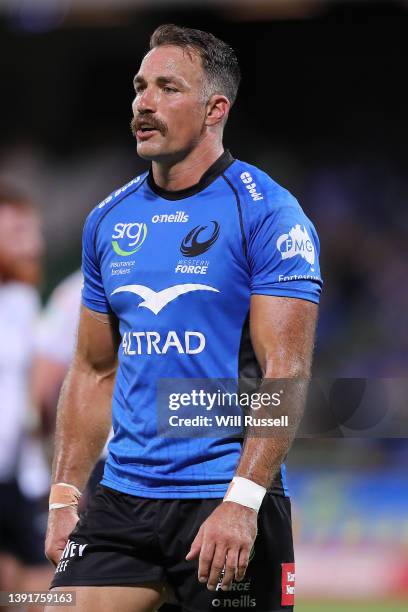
[{"x": 213, "y": 172}]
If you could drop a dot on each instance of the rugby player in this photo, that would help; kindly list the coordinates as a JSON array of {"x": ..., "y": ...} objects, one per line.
[
  {"x": 24, "y": 474},
  {"x": 201, "y": 267}
]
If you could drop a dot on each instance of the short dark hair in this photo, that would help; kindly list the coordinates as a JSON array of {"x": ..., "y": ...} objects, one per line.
[{"x": 219, "y": 60}]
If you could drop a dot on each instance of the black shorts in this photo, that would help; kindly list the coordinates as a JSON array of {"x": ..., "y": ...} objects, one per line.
[
  {"x": 126, "y": 540},
  {"x": 23, "y": 523}
]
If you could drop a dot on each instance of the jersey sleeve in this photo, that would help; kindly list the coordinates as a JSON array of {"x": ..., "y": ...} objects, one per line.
[
  {"x": 283, "y": 251},
  {"x": 93, "y": 292}
]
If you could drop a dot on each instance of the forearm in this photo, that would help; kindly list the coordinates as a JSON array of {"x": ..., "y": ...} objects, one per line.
[
  {"x": 265, "y": 447},
  {"x": 83, "y": 423},
  {"x": 262, "y": 457}
]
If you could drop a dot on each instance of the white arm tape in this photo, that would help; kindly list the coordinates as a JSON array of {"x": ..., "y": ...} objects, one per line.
[
  {"x": 60, "y": 497},
  {"x": 57, "y": 506},
  {"x": 245, "y": 492}
]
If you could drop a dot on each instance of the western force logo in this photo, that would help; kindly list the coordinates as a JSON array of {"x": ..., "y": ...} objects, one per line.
[
  {"x": 157, "y": 300},
  {"x": 192, "y": 266},
  {"x": 131, "y": 237},
  {"x": 191, "y": 246},
  {"x": 296, "y": 242}
]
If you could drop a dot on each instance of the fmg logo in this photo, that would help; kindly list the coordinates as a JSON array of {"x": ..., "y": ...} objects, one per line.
[
  {"x": 296, "y": 242},
  {"x": 131, "y": 237}
]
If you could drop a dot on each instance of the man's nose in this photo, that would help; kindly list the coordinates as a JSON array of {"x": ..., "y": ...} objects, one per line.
[{"x": 146, "y": 101}]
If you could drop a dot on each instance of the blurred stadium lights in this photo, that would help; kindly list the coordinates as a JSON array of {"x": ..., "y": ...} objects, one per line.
[
  {"x": 40, "y": 16},
  {"x": 98, "y": 5}
]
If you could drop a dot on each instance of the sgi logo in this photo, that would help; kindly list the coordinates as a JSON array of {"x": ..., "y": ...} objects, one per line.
[{"x": 135, "y": 235}]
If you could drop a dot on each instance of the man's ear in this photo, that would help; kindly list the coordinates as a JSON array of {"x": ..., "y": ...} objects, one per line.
[{"x": 217, "y": 110}]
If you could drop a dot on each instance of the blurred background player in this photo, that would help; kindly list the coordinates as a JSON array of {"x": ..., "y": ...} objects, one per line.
[
  {"x": 24, "y": 476},
  {"x": 55, "y": 343},
  {"x": 56, "y": 332}
]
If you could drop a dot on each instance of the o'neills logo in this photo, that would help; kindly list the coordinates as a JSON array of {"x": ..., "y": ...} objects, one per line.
[
  {"x": 178, "y": 217},
  {"x": 245, "y": 601},
  {"x": 198, "y": 240}
]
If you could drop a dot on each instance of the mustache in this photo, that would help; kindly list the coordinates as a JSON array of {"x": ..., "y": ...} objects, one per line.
[{"x": 137, "y": 122}]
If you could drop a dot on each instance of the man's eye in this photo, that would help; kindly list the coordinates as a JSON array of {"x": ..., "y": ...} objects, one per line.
[{"x": 168, "y": 89}]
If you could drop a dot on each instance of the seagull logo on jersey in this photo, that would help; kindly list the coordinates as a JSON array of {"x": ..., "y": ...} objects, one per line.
[
  {"x": 296, "y": 242},
  {"x": 157, "y": 300},
  {"x": 191, "y": 247}
]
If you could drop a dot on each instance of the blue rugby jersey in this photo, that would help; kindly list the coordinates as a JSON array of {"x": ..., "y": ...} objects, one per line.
[{"x": 178, "y": 269}]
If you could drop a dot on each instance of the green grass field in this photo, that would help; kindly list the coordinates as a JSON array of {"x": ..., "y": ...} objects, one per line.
[{"x": 384, "y": 606}]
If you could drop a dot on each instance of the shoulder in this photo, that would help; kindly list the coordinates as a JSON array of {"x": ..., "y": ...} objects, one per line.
[
  {"x": 117, "y": 196},
  {"x": 254, "y": 186},
  {"x": 260, "y": 197}
]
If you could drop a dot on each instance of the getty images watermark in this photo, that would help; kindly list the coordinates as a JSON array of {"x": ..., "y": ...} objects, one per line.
[
  {"x": 317, "y": 407},
  {"x": 214, "y": 401},
  {"x": 226, "y": 407}
]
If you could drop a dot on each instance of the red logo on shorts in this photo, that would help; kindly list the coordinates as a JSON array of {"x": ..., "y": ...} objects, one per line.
[{"x": 288, "y": 584}]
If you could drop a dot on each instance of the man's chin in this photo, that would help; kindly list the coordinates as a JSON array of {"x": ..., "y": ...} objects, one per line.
[
  {"x": 149, "y": 150},
  {"x": 154, "y": 152}
]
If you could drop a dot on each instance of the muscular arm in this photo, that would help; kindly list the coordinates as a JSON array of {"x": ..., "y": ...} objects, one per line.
[
  {"x": 84, "y": 407},
  {"x": 282, "y": 334},
  {"x": 83, "y": 416}
]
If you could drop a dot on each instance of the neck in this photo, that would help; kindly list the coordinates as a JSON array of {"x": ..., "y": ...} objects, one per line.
[{"x": 187, "y": 171}]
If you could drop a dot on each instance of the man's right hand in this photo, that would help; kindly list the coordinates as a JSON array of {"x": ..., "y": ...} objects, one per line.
[{"x": 61, "y": 523}]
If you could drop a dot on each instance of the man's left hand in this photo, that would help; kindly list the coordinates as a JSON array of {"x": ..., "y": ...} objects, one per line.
[{"x": 224, "y": 542}]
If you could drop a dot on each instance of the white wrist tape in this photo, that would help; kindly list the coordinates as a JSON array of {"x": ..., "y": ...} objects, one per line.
[
  {"x": 57, "y": 506},
  {"x": 64, "y": 495},
  {"x": 245, "y": 492}
]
